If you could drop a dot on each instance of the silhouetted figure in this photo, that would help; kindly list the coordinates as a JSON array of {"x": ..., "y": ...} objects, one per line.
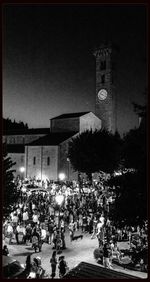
[{"x": 53, "y": 262}]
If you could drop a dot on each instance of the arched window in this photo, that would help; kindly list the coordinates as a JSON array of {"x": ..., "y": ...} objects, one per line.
[
  {"x": 103, "y": 65},
  {"x": 48, "y": 160},
  {"x": 34, "y": 160},
  {"x": 103, "y": 78}
]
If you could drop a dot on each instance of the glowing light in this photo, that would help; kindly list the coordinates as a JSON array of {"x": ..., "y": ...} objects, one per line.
[
  {"x": 53, "y": 186},
  {"x": 62, "y": 176},
  {"x": 44, "y": 177},
  {"x": 22, "y": 169},
  {"x": 59, "y": 199},
  {"x": 24, "y": 189}
]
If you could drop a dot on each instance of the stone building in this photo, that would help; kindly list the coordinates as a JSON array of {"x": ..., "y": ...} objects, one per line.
[
  {"x": 44, "y": 156},
  {"x": 106, "y": 95},
  {"x": 43, "y": 152}
]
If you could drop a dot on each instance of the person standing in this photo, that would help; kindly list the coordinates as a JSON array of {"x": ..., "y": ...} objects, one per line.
[
  {"x": 9, "y": 232},
  {"x": 28, "y": 265},
  {"x": 5, "y": 251},
  {"x": 25, "y": 217},
  {"x": 35, "y": 239},
  {"x": 91, "y": 225},
  {"x": 94, "y": 227},
  {"x": 51, "y": 230},
  {"x": 71, "y": 230},
  {"x": 53, "y": 262},
  {"x": 63, "y": 239},
  {"x": 106, "y": 255},
  {"x": 62, "y": 266},
  {"x": 28, "y": 234}
]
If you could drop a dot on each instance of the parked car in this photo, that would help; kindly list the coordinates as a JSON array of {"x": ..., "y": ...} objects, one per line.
[{"x": 12, "y": 268}]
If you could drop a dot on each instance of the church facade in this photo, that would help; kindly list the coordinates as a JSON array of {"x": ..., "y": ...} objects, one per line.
[
  {"x": 44, "y": 156},
  {"x": 42, "y": 153}
]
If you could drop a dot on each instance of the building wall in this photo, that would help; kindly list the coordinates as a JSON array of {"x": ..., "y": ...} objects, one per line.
[
  {"x": 90, "y": 121},
  {"x": 21, "y": 139},
  {"x": 41, "y": 169},
  {"x": 19, "y": 159},
  {"x": 65, "y": 125},
  {"x": 64, "y": 165}
]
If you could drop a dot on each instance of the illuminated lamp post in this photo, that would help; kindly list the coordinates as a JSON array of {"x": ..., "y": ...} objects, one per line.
[
  {"x": 62, "y": 176},
  {"x": 59, "y": 200},
  {"x": 22, "y": 170},
  {"x": 68, "y": 161}
]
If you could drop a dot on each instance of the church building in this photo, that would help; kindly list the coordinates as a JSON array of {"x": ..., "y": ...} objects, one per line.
[{"x": 42, "y": 153}]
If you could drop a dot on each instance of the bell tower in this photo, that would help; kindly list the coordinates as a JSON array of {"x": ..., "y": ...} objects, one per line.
[{"x": 105, "y": 106}]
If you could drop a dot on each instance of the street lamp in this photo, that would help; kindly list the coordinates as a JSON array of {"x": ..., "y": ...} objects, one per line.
[
  {"x": 61, "y": 176},
  {"x": 59, "y": 199},
  {"x": 68, "y": 162},
  {"x": 22, "y": 170}
]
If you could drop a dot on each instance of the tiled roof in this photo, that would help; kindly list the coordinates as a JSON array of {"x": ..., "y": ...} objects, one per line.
[
  {"x": 87, "y": 270},
  {"x": 52, "y": 139},
  {"x": 26, "y": 131},
  {"x": 70, "y": 115},
  {"x": 15, "y": 148}
]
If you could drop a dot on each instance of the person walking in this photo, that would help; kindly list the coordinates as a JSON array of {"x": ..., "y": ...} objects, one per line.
[{"x": 53, "y": 262}]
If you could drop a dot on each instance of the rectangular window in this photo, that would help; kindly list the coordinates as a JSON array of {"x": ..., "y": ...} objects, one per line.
[
  {"x": 12, "y": 140},
  {"x": 34, "y": 160},
  {"x": 103, "y": 78},
  {"x": 103, "y": 65},
  {"x": 48, "y": 160}
]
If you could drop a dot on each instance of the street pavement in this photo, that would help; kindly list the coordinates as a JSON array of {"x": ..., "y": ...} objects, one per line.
[{"x": 75, "y": 252}]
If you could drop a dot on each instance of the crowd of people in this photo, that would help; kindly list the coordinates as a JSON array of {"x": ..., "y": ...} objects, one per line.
[
  {"x": 34, "y": 269},
  {"x": 38, "y": 218}
]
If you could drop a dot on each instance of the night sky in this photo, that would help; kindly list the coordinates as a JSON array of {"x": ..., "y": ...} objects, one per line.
[{"x": 48, "y": 65}]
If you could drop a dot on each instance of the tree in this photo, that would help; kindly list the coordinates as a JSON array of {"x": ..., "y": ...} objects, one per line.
[
  {"x": 91, "y": 152},
  {"x": 10, "y": 193},
  {"x": 131, "y": 187},
  {"x": 131, "y": 198},
  {"x": 13, "y": 125},
  {"x": 134, "y": 149}
]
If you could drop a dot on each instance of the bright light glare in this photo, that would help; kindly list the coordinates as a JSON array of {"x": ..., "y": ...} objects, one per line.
[
  {"x": 22, "y": 169},
  {"x": 44, "y": 177},
  {"x": 62, "y": 176},
  {"x": 59, "y": 199},
  {"x": 24, "y": 189}
]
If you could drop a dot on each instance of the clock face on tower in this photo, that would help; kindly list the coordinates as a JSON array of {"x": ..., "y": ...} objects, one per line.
[{"x": 102, "y": 94}]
